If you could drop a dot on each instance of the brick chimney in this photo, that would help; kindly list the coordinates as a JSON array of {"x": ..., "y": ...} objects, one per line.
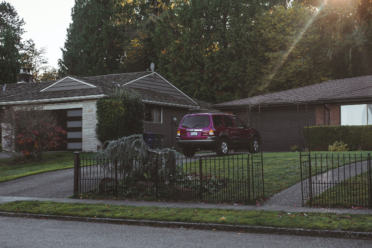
[{"x": 25, "y": 76}]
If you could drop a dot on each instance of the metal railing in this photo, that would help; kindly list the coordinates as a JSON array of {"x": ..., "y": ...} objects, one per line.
[
  {"x": 337, "y": 180},
  {"x": 233, "y": 178}
]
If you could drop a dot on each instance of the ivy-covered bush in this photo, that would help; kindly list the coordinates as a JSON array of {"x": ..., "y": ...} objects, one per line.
[
  {"x": 119, "y": 115},
  {"x": 357, "y": 137}
]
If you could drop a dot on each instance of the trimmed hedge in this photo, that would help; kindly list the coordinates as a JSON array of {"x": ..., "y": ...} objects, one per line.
[
  {"x": 356, "y": 137},
  {"x": 119, "y": 115}
]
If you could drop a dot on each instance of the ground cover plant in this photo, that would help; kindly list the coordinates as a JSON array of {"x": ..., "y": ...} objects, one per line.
[
  {"x": 351, "y": 193},
  {"x": 322, "y": 221},
  {"x": 10, "y": 170}
]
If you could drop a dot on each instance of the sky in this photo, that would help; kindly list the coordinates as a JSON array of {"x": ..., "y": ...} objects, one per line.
[{"x": 46, "y": 23}]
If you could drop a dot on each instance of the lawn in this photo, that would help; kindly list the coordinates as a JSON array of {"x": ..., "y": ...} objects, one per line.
[
  {"x": 322, "y": 221},
  {"x": 51, "y": 162}
]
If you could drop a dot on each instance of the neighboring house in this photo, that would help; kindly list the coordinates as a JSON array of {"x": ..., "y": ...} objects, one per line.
[
  {"x": 74, "y": 100},
  {"x": 337, "y": 102}
]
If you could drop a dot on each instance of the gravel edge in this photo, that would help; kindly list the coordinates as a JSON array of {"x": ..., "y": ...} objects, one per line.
[{"x": 204, "y": 226}]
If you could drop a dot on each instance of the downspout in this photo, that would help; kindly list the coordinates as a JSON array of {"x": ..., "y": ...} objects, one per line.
[{"x": 327, "y": 115}]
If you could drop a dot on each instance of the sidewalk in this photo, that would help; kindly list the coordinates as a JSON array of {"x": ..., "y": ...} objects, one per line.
[{"x": 4, "y": 199}]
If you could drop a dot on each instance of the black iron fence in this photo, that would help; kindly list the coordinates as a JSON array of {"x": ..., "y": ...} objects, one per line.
[
  {"x": 234, "y": 178},
  {"x": 336, "y": 180}
]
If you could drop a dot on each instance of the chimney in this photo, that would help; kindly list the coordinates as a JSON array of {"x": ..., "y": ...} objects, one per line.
[{"x": 25, "y": 76}]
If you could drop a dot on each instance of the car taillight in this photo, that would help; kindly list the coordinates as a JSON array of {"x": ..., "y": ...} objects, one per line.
[
  {"x": 211, "y": 132},
  {"x": 178, "y": 132}
]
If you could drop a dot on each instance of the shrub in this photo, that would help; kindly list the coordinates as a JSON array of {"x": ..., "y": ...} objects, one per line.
[
  {"x": 119, "y": 115},
  {"x": 357, "y": 137},
  {"x": 338, "y": 147},
  {"x": 295, "y": 148},
  {"x": 30, "y": 130}
]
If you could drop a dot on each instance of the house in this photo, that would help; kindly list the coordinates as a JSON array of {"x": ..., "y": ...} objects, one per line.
[
  {"x": 337, "y": 102},
  {"x": 74, "y": 101}
]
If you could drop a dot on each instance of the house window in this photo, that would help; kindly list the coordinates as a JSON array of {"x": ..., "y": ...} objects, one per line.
[
  {"x": 154, "y": 114},
  {"x": 356, "y": 114},
  {"x": 73, "y": 113}
]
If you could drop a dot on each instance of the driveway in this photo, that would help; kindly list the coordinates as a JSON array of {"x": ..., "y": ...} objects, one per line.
[{"x": 55, "y": 184}]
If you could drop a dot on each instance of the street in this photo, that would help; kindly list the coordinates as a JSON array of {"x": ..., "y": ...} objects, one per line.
[{"x": 23, "y": 232}]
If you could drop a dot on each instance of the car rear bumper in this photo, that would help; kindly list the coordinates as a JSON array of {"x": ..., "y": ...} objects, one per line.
[{"x": 208, "y": 143}]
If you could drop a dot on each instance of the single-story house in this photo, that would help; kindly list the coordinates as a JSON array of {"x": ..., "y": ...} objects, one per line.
[
  {"x": 74, "y": 100},
  {"x": 337, "y": 102}
]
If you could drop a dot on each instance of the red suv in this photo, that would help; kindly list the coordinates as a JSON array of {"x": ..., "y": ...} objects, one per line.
[{"x": 216, "y": 131}]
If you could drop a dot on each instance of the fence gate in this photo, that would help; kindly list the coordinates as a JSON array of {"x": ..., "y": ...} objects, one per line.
[{"x": 336, "y": 180}]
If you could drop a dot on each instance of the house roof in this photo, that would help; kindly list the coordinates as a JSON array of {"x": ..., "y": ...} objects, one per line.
[
  {"x": 340, "y": 89},
  {"x": 102, "y": 85}
]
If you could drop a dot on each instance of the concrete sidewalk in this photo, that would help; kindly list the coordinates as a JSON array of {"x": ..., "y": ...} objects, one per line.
[{"x": 4, "y": 199}]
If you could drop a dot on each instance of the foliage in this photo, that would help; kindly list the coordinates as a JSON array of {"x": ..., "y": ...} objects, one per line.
[
  {"x": 34, "y": 58},
  {"x": 49, "y": 74},
  {"x": 357, "y": 137},
  {"x": 10, "y": 43},
  {"x": 338, "y": 147},
  {"x": 32, "y": 130},
  {"x": 295, "y": 148},
  {"x": 132, "y": 155},
  {"x": 95, "y": 38},
  {"x": 120, "y": 114},
  {"x": 290, "y": 49}
]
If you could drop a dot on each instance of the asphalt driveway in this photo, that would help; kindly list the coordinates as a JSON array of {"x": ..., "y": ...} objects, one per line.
[{"x": 55, "y": 184}]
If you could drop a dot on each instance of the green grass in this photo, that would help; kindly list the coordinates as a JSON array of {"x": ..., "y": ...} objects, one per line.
[
  {"x": 51, "y": 162},
  {"x": 322, "y": 221},
  {"x": 349, "y": 193}
]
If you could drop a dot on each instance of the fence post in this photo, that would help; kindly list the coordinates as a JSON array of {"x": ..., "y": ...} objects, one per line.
[
  {"x": 156, "y": 176},
  {"x": 201, "y": 179},
  {"x": 116, "y": 178},
  {"x": 76, "y": 172},
  {"x": 249, "y": 178},
  {"x": 369, "y": 179}
]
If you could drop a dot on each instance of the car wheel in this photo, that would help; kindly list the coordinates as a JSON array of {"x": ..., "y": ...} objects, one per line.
[
  {"x": 223, "y": 148},
  {"x": 188, "y": 152},
  {"x": 255, "y": 145}
]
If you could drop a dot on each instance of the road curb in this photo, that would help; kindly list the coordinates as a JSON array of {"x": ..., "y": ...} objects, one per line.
[{"x": 204, "y": 226}]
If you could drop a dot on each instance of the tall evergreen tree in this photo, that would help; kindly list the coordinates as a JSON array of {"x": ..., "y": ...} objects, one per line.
[
  {"x": 10, "y": 43},
  {"x": 95, "y": 38}
]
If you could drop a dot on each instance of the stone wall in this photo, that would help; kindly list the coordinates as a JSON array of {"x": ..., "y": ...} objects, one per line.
[{"x": 90, "y": 142}]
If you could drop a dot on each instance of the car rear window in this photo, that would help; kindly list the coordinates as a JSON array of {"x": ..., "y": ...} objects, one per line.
[{"x": 196, "y": 121}]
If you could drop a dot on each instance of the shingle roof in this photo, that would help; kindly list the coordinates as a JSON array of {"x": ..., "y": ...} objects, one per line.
[
  {"x": 347, "y": 88},
  {"x": 104, "y": 85}
]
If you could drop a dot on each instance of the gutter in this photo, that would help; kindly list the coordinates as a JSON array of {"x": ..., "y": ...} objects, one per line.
[
  {"x": 63, "y": 99},
  {"x": 170, "y": 104}
]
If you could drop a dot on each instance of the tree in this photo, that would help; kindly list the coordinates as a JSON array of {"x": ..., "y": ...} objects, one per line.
[
  {"x": 94, "y": 44},
  {"x": 10, "y": 43},
  {"x": 290, "y": 49},
  {"x": 32, "y": 130},
  {"x": 34, "y": 58},
  {"x": 49, "y": 74},
  {"x": 119, "y": 115}
]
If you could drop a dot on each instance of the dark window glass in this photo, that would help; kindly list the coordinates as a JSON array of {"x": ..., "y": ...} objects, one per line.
[
  {"x": 228, "y": 121},
  {"x": 196, "y": 121},
  {"x": 217, "y": 121},
  {"x": 238, "y": 123},
  {"x": 153, "y": 114}
]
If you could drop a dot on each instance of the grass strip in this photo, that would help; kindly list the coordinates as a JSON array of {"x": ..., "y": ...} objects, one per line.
[
  {"x": 51, "y": 162},
  {"x": 317, "y": 221}
]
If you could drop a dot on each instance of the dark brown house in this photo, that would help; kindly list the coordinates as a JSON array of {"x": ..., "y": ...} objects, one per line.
[
  {"x": 74, "y": 100},
  {"x": 337, "y": 102}
]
